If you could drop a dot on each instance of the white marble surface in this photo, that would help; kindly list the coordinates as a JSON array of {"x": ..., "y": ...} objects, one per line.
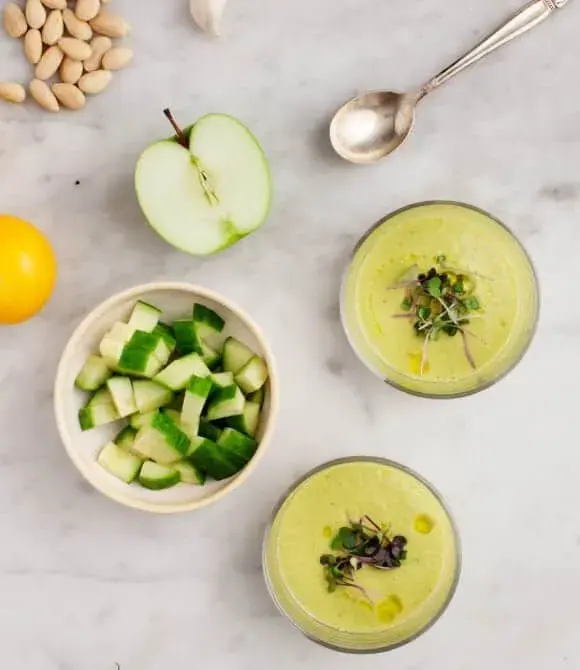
[{"x": 85, "y": 583}]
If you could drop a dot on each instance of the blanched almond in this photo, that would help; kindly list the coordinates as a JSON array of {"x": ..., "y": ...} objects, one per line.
[
  {"x": 69, "y": 96},
  {"x": 70, "y": 70},
  {"x": 54, "y": 4},
  {"x": 95, "y": 82},
  {"x": 117, "y": 58},
  {"x": 14, "y": 20},
  {"x": 77, "y": 28},
  {"x": 111, "y": 25},
  {"x": 49, "y": 63},
  {"x": 99, "y": 47},
  {"x": 87, "y": 9},
  {"x": 40, "y": 91},
  {"x": 12, "y": 92},
  {"x": 33, "y": 46},
  {"x": 73, "y": 48},
  {"x": 35, "y": 13},
  {"x": 53, "y": 29}
]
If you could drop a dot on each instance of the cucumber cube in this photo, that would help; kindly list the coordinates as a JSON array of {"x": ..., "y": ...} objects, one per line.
[
  {"x": 226, "y": 402},
  {"x": 235, "y": 355},
  {"x": 145, "y": 354},
  {"x": 208, "y": 326},
  {"x": 158, "y": 446},
  {"x": 235, "y": 444},
  {"x": 166, "y": 333},
  {"x": 126, "y": 438},
  {"x": 121, "y": 390},
  {"x": 177, "y": 374},
  {"x": 93, "y": 374},
  {"x": 158, "y": 477},
  {"x": 210, "y": 458},
  {"x": 207, "y": 429},
  {"x": 113, "y": 344},
  {"x": 92, "y": 416},
  {"x": 119, "y": 462},
  {"x": 138, "y": 421},
  {"x": 196, "y": 395},
  {"x": 100, "y": 397},
  {"x": 258, "y": 396},
  {"x": 144, "y": 317},
  {"x": 253, "y": 375},
  {"x": 222, "y": 379},
  {"x": 149, "y": 395},
  {"x": 248, "y": 421},
  {"x": 186, "y": 337},
  {"x": 189, "y": 473}
]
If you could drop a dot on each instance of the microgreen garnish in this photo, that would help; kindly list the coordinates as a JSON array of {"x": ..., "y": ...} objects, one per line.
[
  {"x": 361, "y": 543},
  {"x": 439, "y": 301}
]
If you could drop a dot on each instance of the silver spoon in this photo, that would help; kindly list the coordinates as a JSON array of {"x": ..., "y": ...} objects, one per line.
[{"x": 371, "y": 126}]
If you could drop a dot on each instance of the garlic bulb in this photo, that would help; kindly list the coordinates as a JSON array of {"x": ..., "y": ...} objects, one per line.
[{"x": 207, "y": 14}]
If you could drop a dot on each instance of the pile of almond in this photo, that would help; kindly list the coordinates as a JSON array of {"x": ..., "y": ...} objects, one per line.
[{"x": 70, "y": 46}]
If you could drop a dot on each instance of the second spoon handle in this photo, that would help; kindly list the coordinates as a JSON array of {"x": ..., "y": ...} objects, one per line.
[{"x": 525, "y": 19}]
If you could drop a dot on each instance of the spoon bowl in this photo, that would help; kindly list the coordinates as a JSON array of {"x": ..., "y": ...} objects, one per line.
[{"x": 371, "y": 126}]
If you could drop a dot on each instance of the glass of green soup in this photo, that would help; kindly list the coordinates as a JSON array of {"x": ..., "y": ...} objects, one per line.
[
  {"x": 440, "y": 300},
  {"x": 362, "y": 555}
]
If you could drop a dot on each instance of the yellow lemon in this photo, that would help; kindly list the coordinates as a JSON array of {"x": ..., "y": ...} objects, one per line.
[{"x": 27, "y": 270}]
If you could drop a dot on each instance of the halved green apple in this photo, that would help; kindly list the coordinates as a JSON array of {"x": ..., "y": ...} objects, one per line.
[{"x": 206, "y": 188}]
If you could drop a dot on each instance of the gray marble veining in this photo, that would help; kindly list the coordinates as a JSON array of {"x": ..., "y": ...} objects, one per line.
[{"x": 86, "y": 583}]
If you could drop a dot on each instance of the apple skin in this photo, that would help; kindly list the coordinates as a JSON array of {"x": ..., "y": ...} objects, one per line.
[{"x": 236, "y": 235}]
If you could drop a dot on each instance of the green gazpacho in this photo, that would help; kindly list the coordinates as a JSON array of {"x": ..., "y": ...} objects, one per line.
[
  {"x": 440, "y": 299},
  {"x": 362, "y": 555}
]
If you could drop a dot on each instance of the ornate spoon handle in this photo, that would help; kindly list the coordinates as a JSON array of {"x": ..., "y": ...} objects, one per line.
[{"x": 526, "y": 18}]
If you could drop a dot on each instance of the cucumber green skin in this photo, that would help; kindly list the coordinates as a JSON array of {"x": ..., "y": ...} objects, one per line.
[
  {"x": 222, "y": 397},
  {"x": 126, "y": 437},
  {"x": 209, "y": 458},
  {"x": 186, "y": 338},
  {"x": 165, "y": 331},
  {"x": 205, "y": 315},
  {"x": 172, "y": 434},
  {"x": 171, "y": 479},
  {"x": 235, "y": 235},
  {"x": 234, "y": 442},
  {"x": 208, "y": 430}
]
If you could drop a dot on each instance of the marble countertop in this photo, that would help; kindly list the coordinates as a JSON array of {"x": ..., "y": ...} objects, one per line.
[{"x": 86, "y": 583}]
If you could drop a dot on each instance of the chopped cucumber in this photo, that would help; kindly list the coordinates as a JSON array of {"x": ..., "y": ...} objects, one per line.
[
  {"x": 100, "y": 397},
  {"x": 92, "y": 416},
  {"x": 113, "y": 344},
  {"x": 161, "y": 442},
  {"x": 258, "y": 396},
  {"x": 174, "y": 415},
  {"x": 226, "y": 402},
  {"x": 208, "y": 326},
  {"x": 93, "y": 374},
  {"x": 248, "y": 421},
  {"x": 210, "y": 458},
  {"x": 253, "y": 375},
  {"x": 211, "y": 357},
  {"x": 222, "y": 379},
  {"x": 166, "y": 333},
  {"x": 121, "y": 390},
  {"x": 138, "y": 421},
  {"x": 126, "y": 438},
  {"x": 144, "y": 355},
  {"x": 119, "y": 462},
  {"x": 189, "y": 473},
  {"x": 236, "y": 444},
  {"x": 157, "y": 477},
  {"x": 196, "y": 395},
  {"x": 144, "y": 317},
  {"x": 149, "y": 395},
  {"x": 177, "y": 374},
  {"x": 207, "y": 429},
  {"x": 186, "y": 337},
  {"x": 235, "y": 355}
]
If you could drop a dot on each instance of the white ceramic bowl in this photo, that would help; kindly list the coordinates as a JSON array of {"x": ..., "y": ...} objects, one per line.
[{"x": 176, "y": 301}]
